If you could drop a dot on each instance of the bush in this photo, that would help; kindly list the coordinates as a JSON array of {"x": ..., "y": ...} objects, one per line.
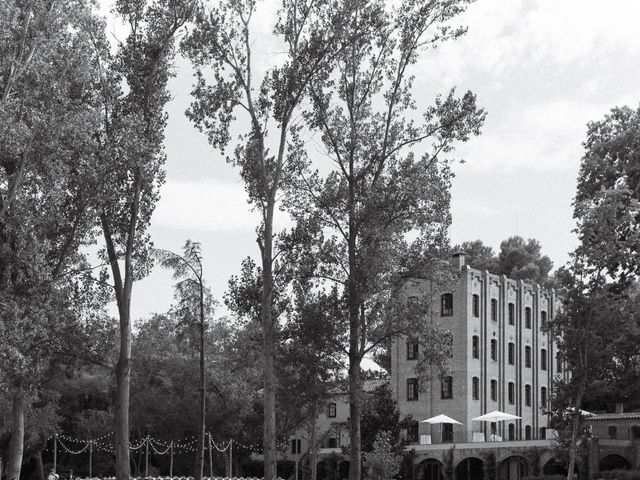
[
  {"x": 620, "y": 474},
  {"x": 546, "y": 477}
]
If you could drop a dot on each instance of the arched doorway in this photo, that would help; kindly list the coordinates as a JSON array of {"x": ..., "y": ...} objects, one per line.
[
  {"x": 554, "y": 467},
  {"x": 430, "y": 469},
  {"x": 327, "y": 469},
  {"x": 343, "y": 470},
  {"x": 513, "y": 468},
  {"x": 470, "y": 469},
  {"x": 613, "y": 462}
]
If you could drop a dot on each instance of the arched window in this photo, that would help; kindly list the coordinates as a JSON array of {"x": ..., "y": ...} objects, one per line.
[
  {"x": 527, "y": 356},
  {"x": 494, "y": 309},
  {"x": 543, "y": 318},
  {"x": 475, "y": 305},
  {"x": 475, "y": 388},
  {"x": 527, "y": 317},
  {"x": 475, "y": 347},
  {"x": 543, "y": 359},
  {"x": 512, "y": 431},
  {"x": 613, "y": 432},
  {"x": 494, "y": 390},
  {"x": 332, "y": 410},
  {"x": 512, "y": 393},
  {"x": 494, "y": 349},
  {"x": 511, "y": 353},
  {"x": 558, "y": 364},
  {"x": 512, "y": 314},
  {"x": 527, "y": 395},
  {"x": 543, "y": 433},
  {"x": 527, "y": 432},
  {"x": 543, "y": 397},
  {"x": 446, "y": 309}
]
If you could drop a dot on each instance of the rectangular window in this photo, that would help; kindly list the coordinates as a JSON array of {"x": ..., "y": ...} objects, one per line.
[
  {"x": 543, "y": 318},
  {"x": 332, "y": 410},
  {"x": 332, "y": 443},
  {"x": 543, "y": 359},
  {"x": 475, "y": 305},
  {"x": 446, "y": 387},
  {"x": 527, "y": 357},
  {"x": 558, "y": 364},
  {"x": 543, "y": 397},
  {"x": 446, "y": 309},
  {"x": 494, "y": 390},
  {"x": 511, "y": 353},
  {"x": 295, "y": 446},
  {"x": 527, "y": 317},
  {"x": 494, "y": 350},
  {"x": 475, "y": 347},
  {"x": 412, "y": 389},
  {"x": 494, "y": 309},
  {"x": 527, "y": 395},
  {"x": 512, "y": 314},
  {"x": 512, "y": 393},
  {"x": 613, "y": 432},
  {"x": 412, "y": 350},
  {"x": 475, "y": 388}
]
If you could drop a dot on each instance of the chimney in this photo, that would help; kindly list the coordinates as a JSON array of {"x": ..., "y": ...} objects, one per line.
[
  {"x": 458, "y": 260},
  {"x": 619, "y": 407}
]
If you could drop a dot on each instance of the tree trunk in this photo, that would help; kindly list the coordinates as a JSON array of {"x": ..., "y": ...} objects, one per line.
[
  {"x": 203, "y": 394},
  {"x": 268, "y": 348},
  {"x": 16, "y": 444},
  {"x": 123, "y": 382},
  {"x": 355, "y": 413},
  {"x": 39, "y": 465},
  {"x": 314, "y": 443},
  {"x": 573, "y": 447}
]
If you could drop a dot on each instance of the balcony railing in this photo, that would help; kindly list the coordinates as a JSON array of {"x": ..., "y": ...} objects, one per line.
[{"x": 472, "y": 436}]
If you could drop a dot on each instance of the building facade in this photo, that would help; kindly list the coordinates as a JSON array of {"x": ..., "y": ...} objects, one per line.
[{"x": 503, "y": 358}]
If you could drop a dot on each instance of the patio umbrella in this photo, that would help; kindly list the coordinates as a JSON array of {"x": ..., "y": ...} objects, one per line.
[
  {"x": 441, "y": 419},
  {"x": 495, "y": 416}
]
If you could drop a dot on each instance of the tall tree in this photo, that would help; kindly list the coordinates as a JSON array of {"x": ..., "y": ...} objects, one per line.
[
  {"x": 377, "y": 190},
  {"x": 479, "y": 256},
  {"x": 195, "y": 306},
  {"x": 221, "y": 44},
  {"x": 132, "y": 150}
]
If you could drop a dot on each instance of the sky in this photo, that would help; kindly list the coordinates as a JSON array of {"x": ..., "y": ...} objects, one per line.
[{"x": 541, "y": 68}]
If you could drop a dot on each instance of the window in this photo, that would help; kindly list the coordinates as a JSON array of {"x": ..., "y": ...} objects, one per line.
[
  {"x": 527, "y": 317},
  {"x": 412, "y": 432},
  {"x": 494, "y": 309},
  {"x": 558, "y": 364},
  {"x": 543, "y": 318},
  {"x": 475, "y": 305},
  {"x": 635, "y": 432},
  {"x": 512, "y": 314},
  {"x": 543, "y": 433},
  {"x": 332, "y": 410},
  {"x": 527, "y": 395},
  {"x": 446, "y": 309},
  {"x": 543, "y": 397},
  {"x": 412, "y": 350},
  {"x": 613, "y": 432},
  {"x": 527, "y": 357},
  {"x": 527, "y": 432},
  {"x": 332, "y": 443},
  {"x": 295, "y": 446},
  {"x": 494, "y": 349},
  {"x": 543, "y": 359},
  {"x": 475, "y": 347},
  {"x": 511, "y": 353},
  {"x": 512, "y": 393},
  {"x": 512, "y": 431},
  {"x": 475, "y": 388},
  {"x": 446, "y": 387},
  {"x": 412, "y": 389},
  {"x": 494, "y": 390},
  {"x": 447, "y": 432}
]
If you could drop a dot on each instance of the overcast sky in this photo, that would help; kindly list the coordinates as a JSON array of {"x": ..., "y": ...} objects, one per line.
[{"x": 541, "y": 68}]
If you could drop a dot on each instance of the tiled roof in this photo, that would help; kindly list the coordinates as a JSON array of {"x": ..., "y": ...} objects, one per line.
[
  {"x": 614, "y": 416},
  {"x": 371, "y": 385}
]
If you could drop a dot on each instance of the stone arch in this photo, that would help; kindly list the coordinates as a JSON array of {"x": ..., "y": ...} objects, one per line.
[
  {"x": 429, "y": 469},
  {"x": 613, "y": 461},
  {"x": 343, "y": 470},
  {"x": 513, "y": 467},
  {"x": 470, "y": 468}
]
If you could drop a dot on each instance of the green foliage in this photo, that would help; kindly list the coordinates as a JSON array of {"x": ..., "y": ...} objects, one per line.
[
  {"x": 379, "y": 414},
  {"x": 518, "y": 259},
  {"x": 382, "y": 463},
  {"x": 620, "y": 474}
]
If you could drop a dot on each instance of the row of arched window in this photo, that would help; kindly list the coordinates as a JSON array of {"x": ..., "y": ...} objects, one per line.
[
  {"x": 493, "y": 353},
  {"x": 511, "y": 396}
]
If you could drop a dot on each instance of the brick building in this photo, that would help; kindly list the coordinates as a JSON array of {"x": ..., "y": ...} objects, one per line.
[{"x": 503, "y": 359}]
